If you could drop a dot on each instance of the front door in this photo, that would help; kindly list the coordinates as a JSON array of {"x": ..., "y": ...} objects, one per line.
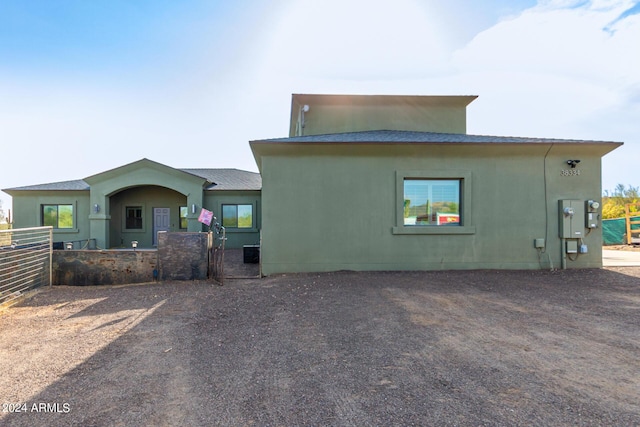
[{"x": 161, "y": 222}]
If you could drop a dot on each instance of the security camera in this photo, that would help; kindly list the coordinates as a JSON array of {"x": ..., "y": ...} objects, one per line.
[
  {"x": 305, "y": 108},
  {"x": 573, "y": 163}
]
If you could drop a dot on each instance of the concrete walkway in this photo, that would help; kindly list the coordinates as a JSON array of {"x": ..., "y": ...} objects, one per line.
[{"x": 612, "y": 258}]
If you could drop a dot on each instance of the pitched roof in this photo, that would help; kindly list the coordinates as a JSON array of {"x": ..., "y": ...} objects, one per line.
[
  {"x": 76, "y": 185},
  {"x": 222, "y": 179},
  {"x": 398, "y": 136},
  {"x": 229, "y": 179}
]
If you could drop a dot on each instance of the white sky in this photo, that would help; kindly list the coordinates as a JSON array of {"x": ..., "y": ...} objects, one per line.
[{"x": 89, "y": 86}]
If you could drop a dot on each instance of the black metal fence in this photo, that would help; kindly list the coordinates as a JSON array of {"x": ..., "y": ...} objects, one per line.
[{"x": 217, "y": 239}]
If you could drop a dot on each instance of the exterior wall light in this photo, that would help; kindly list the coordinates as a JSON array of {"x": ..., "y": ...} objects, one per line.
[
  {"x": 96, "y": 208},
  {"x": 193, "y": 208},
  {"x": 134, "y": 244},
  {"x": 69, "y": 245},
  {"x": 303, "y": 109}
]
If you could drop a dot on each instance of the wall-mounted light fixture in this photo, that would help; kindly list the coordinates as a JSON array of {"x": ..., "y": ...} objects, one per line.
[
  {"x": 96, "y": 208},
  {"x": 193, "y": 208},
  {"x": 69, "y": 245},
  {"x": 303, "y": 109},
  {"x": 573, "y": 163},
  {"x": 134, "y": 244}
]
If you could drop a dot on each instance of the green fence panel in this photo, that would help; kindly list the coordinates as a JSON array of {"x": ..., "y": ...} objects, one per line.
[{"x": 613, "y": 230}]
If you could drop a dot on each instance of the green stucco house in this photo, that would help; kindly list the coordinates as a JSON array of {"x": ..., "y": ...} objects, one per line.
[
  {"x": 396, "y": 183},
  {"x": 135, "y": 201},
  {"x": 362, "y": 182}
]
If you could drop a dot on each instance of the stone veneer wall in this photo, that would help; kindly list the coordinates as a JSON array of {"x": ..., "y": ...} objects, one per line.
[
  {"x": 106, "y": 267},
  {"x": 180, "y": 256},
  {"x": 183, "y": 256}
]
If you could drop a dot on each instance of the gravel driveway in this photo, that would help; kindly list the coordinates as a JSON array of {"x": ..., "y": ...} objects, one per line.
[{"x": 342, "y": 349}]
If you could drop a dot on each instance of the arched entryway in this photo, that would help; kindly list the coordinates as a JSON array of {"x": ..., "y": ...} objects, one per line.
[{"x": 138, "y": 213}]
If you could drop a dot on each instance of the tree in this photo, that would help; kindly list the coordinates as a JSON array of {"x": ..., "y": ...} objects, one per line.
[{"x": 613, "y": 203}]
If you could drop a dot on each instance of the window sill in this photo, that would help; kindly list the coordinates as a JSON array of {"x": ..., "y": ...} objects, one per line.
[
  {"x": 240, "y": 230},
  {"x": 434, "y": 229},
  {"x": 65, "y": 230}
]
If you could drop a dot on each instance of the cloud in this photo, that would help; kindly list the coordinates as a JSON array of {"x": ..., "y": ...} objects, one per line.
[
  {"x": 560, "y": 40},
  {"x": 358, "y": 40},
  {"x": 555, "y": 71},
  {"x": 559, "y": 69}
]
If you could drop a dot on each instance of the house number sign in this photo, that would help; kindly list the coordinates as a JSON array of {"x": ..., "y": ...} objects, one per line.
[{"x": 570, "y": 172}]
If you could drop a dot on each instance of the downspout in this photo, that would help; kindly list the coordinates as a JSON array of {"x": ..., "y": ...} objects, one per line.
[
  {"x": 546, "y": 211},
  {"x": 300, "y": 123}
]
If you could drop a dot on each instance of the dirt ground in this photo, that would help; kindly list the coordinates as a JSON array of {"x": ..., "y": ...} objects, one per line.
[{"x": 494, "y": 348}]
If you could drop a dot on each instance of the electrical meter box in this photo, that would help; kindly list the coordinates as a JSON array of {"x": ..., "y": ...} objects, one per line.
[
  {"x": 571, "y": 217},
  {"x": 592, "y": 217}
]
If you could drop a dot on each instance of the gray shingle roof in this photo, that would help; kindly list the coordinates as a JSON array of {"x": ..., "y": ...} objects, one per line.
[
  {"x": 398, "y": 136},
  {"x": 77, "y": 185},
  {"x": 228, "y": 179}
]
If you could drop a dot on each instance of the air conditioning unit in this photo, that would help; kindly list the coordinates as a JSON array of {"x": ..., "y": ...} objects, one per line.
[{"x": 251, "y": 254}]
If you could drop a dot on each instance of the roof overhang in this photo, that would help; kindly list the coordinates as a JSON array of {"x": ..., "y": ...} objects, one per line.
[{"x": 405, "y": 138}]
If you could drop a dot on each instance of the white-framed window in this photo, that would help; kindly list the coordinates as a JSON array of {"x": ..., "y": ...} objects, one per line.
[
  {"x": 58, "y": 216},
  {"x": 433, "y": 202},
  {"x": 183, "y": 217},
  {"x": 237, "y": 216}
]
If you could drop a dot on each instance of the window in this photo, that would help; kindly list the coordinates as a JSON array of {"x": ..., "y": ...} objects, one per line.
[
  {"x": 184, "y": 212},
  {"x": 431, "y": 202},
  {"x": 237, "y": 216},
  {"x": 57, "y": 216},
  {"x": 133, "y": 216}
]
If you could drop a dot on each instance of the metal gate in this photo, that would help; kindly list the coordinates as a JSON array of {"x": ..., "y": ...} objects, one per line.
[
  {"x": 217, "y": 238},
  {"x": 25, "y": 261}
]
